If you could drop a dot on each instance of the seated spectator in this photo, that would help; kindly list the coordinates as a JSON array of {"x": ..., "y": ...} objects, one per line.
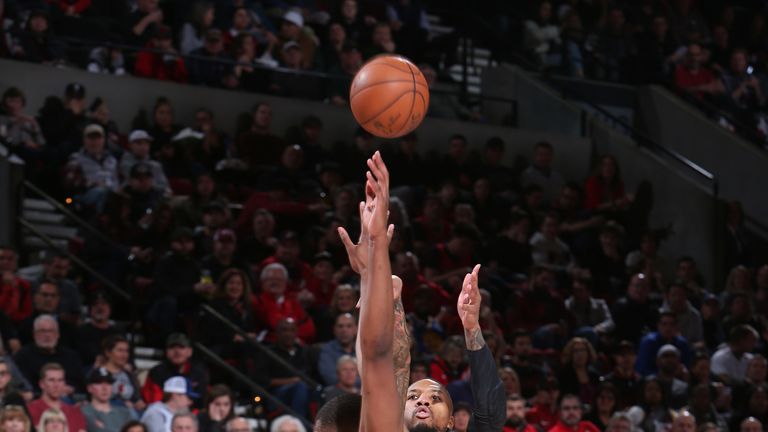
[
  {"x": 744, "y": 89},
  {"x": 14, "y": 388},
  {"x": 648, "y": 254},
  {"x": 258, "y": 146},
  {"x": 46, "y": 302},
  {"x": 547, "y": 249},
  {"x": 107, "y": 60},
  {"x": 757, "y": 371},
  {"x": 606, "y": 262},
  {"x": 177, "y": 367},
  {"x": 343, "y": 302},
  {"x": 259, "y": 243},
  {"x": 98, "y": 168},
  {"x": 531, "y": 372},
  {"x": 52, "y": 419},
  {"x": 653, "y": 404},
  {"x": 56, "y": 268},
  {"x": 275, "y": 304},
  {"x": 334, "y": 41},
  {"x": 224, "y": 255},
  {"x": 144, "y": 22},
  {"x": 382, "y": 41},
  {"x": 287, "y": 423},
  {"x": 289, "y": 81},
  {"x": 350, "y": 62},
  {"x": 604, "y": 407},
  {"x": 754, "y": 407},
  {"x": 98, "y": 112},
  {"x": 667, "y": 334},
  {"x": 22, "y": 132},
  {"x": 343, "y": 344},
  {"x": 193, "y": 31},
  {"x": 604, "y": 190},
  {"x": 668, "y": 364},
  {"x": 542, "y": 37},
  {"x": 739, "y": 312},
  {"x": 177, "y": 400},
  {"x": 450, "y": 363},
  {"x": 38, "y": 43},
  {"x": 252, "y": 70},
  {"x": 613, "y": 47},
  {"x": 53, "y": 388},
  {"x": 95, "y": 328},
  {"x": 544, "y": 412},
  {"x": 635, "y": 314},
  {"x": 178, "y": 282},
  {"x": 577, "y": 374},
  {"x": 703, "y": 409},
  {"x": 321, "y": 285},
  {"x": 508, "y": 378},
  {"x": 215, "y": 144},
  {"x": 453, "y": 256},
  {"x": 46, "y": 349},
  {"x": 542, "y": 173},
  {"x": 284, "y": 383},
  {"x": 13, "y": 417},
  {"x": 730, "y": 363},
  {"x": 100, "y": 415},
  {"x": 288, "y": 254},
  {"x": 688, "y": 318},
  {"x": 116, "y": 361},
  {"x": 237, "y": 424},
  {"x": 233, "y": 299},
  {"x": 210, "y": 65},
  {"x": 570, "y": 418},
  {"x": 143, "y": 196},
  {"x": 163, "y": 62},
  {"x": 346, "y": 371},
  {"x": 63, "y": 123},
  {"x": 215, "y": 216},
  {"x": 623, "y": 377},
  {"x": 516, "y": 412},
  {"x": 139, "y": 144},
  {"x": 292, "y": 30},
  {"x": 692, "y": 76},
  {"x": 592, "y": 318},
  {"x": 15, "y": 292},
  {"x": 219, "y": 410}
]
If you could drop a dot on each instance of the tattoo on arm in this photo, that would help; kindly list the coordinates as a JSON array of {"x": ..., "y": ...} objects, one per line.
[
  {"x": 401, "y": 350},
  {"x": 474, "y": 339}
]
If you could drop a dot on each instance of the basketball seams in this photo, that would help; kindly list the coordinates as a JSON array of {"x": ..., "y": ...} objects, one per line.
[
  {"x": 385, "y": 82},
  {"x": 381, "y": 61},
  {"x": 413, "y": 99}
]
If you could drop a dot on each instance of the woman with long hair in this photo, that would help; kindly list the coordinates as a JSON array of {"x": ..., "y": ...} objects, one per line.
[
  {"x": 343, "y": 301},
  {"x": 577, "y": 375},
  {"x": 653, "y": 404},
  {"x": 604, "y": 190},
  {"x": 605, "y": 405},
  {"x": 116, "y": 351},
  {"x": 233, "y": 300},
  {"x": 201, "y": 19},
  {"x": 219, "y": 409}
]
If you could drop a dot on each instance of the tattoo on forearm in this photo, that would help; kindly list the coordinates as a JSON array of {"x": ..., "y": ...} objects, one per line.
[
  {"x": 401, "y": 351},
  {"x": 474, "y": 339}
]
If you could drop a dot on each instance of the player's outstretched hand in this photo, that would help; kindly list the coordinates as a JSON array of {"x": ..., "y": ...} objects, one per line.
[{"x": 468, "y": 304}]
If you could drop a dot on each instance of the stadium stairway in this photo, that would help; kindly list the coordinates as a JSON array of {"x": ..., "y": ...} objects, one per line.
[{"x": 54, "y": 230}]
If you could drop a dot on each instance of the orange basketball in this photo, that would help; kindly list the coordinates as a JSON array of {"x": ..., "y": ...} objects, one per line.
[{"x": 389, "y": 96}]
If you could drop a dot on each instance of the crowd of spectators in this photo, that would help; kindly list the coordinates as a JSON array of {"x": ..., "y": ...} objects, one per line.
[
  {"x": 578, "y": 298},
  {"x": 713, "y": 52}
]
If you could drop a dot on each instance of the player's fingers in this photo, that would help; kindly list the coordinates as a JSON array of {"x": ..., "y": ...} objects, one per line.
[
  {"x": 466, "y": 285},
  {"x": 475, "y": 272},
  {"x": 348, "y": 245},
  {"x": 377, "y": 167},
  {"x": 390, "y": 232},
  {"x": 374, "y": 185}
]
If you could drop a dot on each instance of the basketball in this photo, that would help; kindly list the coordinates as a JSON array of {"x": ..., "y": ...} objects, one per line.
[{"x": 389, "y": 96}]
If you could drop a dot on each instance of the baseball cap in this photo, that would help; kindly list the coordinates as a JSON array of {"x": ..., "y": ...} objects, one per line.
[
  {"x": 100, "y": 375},
  {"x": 141, "y": 169},
  {"x": 74, "y": 90},
  {"x": 139, "y": 134},
  {"x": 294, "y": 17},
  {"x": 92, "y": 129},
  {"x": 225, "y": 235},
  {"x": 177, "y": 339},
  {"x": 289, "y": 45},
  {"x": 668, "y": 349},
  {"x": 179, "y": 385}
]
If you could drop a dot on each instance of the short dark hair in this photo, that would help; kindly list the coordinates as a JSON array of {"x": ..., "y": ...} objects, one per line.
[
  {"x": 568, "y": 396},
  {"x": 741, "y": 332},
  {"x": 543, "y": 145},
  {"x": 110, "y": 342},
  {"x": 458, "y": 137},
  {"x": 341, "y": 414},
  {"x": 669, "y": 314},
  {"x": 14, "y": 92},
  {"x": 132, "y": 424}
]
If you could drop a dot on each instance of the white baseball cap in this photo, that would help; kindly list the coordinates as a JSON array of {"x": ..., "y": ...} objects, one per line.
[
  {"x": 139, "y": 134},
  {"x": 179, "y": 385},
  {"x": 294, "y": 17}
]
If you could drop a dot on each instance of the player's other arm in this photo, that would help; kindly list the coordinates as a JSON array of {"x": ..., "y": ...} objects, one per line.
[{"x": 489, "y": 411}]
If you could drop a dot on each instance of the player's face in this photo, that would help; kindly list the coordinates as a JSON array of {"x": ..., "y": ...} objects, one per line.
[{"x": 428, "y": 405}]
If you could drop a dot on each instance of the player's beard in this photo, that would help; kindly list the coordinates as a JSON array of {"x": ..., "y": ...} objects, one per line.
[
  {"x": 514, "y": 422},
  {"x": 421, "y": 427}
]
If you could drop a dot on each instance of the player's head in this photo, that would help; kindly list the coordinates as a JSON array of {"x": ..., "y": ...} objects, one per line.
[
  {"x": 428, "y": 407},
  {"x": 340, "y": 414}
]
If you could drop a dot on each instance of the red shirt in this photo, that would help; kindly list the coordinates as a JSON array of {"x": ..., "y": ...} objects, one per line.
[
  {"x": 596, "y": 192},
  {"x": 542, "y": 416},
  {"x": 268, "y": 311},
  {"x": 75, "y": 419},
  {"x": 16, "y": 299},
  {"x": 526, "y": 428},
  {"x": 583, "y": 426},
  {"x": 153, "y": 65},
  {"x": 685, "y": 78}
]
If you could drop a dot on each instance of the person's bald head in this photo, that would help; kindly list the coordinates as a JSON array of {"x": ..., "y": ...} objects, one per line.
[
  {"x": 751, "y": 424},
  {"x": 428, "y": 407}
]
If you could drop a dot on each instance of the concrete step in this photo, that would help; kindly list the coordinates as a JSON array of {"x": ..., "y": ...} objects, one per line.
[
  {"x": 33, "y": 242},
  {"x": 36, "y": 216},
  {"x": 57, "y": 231},
  {"x": 37, "y": 204}
]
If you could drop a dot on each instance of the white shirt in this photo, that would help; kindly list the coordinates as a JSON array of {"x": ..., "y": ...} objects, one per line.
[
  {"x": 157, "y": 418},
  {"x": 724, "y": 362}
]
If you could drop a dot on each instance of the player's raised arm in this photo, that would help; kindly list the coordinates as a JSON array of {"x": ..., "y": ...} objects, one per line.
[
  {"x": 489, "y": 409},
  {"x": 381, "y": 402}
]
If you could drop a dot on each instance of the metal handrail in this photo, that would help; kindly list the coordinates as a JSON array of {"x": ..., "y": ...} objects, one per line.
[
  {"x": 77, "y": 219},
  {"x": 260, "y": 347},
  {"x": 75, "y": 259},
  {"x": 241, "y": 377}
]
